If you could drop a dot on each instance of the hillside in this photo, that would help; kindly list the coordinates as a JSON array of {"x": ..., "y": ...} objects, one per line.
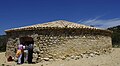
[
  {"x": 3, "y": 40},
  {"x": 115, "y": 35}
]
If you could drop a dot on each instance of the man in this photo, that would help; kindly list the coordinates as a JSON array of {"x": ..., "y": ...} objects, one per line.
[{"x": 30, "y": 53}]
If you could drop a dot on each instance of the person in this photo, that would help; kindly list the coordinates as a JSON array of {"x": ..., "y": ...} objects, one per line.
[
  {"x": 25, "y": 53},
  {"x": 19, "y": 53},
  {"x": 30, "y": 53}
]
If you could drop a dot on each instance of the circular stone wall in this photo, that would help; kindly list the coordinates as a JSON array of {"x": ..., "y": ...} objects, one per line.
[{"x": 63, "y": 42}]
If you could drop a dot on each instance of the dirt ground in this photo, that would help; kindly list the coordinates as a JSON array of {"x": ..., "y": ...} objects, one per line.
[{"x": 109, "y": 59}]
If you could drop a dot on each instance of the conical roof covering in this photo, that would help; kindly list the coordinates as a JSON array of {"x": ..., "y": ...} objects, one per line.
[{"x": 53, "y": 24}]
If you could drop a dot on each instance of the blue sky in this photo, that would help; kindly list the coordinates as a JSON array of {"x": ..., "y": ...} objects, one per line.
[{"x": 17, "y": 13}]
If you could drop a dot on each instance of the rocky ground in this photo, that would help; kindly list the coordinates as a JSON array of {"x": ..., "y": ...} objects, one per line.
[{"x": 108, "y": 59}]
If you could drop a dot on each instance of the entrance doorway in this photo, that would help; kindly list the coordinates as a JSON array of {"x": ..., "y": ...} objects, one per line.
[
  {"x": 28, "y": 49},
  {"x": 26, "y": 40}
]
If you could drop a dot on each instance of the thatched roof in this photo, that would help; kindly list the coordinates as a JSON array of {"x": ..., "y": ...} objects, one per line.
[{"x": 53, "y": 24}]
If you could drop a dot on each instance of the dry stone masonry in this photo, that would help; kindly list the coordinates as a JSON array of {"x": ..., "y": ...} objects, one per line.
[{"x": 60, "y": 40}]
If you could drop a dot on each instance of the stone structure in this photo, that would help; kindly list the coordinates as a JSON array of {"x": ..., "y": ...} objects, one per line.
[{"x": 59, "y": 39}]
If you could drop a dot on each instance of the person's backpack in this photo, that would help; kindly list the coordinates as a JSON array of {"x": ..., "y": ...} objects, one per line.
[{"x": 18, "y": 53}]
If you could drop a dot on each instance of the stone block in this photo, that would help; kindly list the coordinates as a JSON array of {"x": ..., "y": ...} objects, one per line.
[{"x": 46, "y": 59}]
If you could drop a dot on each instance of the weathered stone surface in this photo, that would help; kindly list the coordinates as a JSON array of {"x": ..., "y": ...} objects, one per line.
[
  {"x": 63, "y": 58},
  {"x": 35, "y": 56},
  {"x": 51, "y": 57},
  {"x": 61, "y": 44},
  {"x": 72, "y": 57},
  {"x": 91, "y": 55},
  {"x": 36, "y": 49},
  {"x": 46, "y": 59},
  {"x": 77, "y": 57}
]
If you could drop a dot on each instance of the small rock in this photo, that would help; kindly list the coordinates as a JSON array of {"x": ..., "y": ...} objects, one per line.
[
  {"x": 51, "y": 37},
  {"x": 68, "y": 58},
  {"x": 36, "y": 49},
  {"x": 72, "y": 57},
  {"x": 50, "y": 57},
  {"x": 46, "y": 59},
  {"x": 54, "y": 42},
  {"x": 54, "y": 54},
  {"x": 91, "y": 54},
  {"x": 51, "y": 43},
  {"x": 62, "y": 57},
  {"x": 41, "y": 51},
  {"x": 82, "y": 55},
  {"x": 77, "y": 57},
  {"x": 42, "y": 58},
  {"x": 96, "y": 53}
]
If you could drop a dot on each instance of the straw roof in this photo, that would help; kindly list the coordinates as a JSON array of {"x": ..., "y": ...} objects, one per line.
[{"x": 53, "y": 24}]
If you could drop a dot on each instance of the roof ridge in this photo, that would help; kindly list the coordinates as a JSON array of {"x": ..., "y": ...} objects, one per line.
[{"x": 58, "y": 23}]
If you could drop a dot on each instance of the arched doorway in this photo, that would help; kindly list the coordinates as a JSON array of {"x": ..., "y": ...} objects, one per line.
[{"x": 28, "y": 49}]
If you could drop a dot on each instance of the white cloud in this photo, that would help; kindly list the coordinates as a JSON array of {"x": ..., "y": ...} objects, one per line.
[{"x": 100, "y": 23}]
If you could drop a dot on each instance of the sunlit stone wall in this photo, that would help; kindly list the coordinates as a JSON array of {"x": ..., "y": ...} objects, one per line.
[{"x": 60, "y": 43}]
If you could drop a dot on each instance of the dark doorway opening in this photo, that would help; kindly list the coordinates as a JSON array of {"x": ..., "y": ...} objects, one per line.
[
  {"x": 28, "y": 50},
  {"x": 26, "y": 40}
]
